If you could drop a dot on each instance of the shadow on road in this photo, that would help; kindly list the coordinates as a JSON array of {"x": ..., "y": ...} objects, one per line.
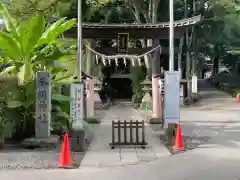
[{"x": 223, "y": 134}]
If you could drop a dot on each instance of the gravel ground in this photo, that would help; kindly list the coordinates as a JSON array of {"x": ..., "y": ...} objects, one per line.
[{"x": 16, "y": 158}]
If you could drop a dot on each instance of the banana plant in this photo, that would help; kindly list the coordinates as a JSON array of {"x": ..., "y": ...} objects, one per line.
[{"x": 29, "y": 47}]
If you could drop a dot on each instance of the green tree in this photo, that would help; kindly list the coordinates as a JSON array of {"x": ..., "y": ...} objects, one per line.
[
  {"x": 219, "y": 27},
  {"x": 51, "y": 9}
]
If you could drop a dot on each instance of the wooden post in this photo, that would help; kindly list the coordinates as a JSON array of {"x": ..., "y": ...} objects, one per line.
[
  {"x": 125, "y": 132},
  {"x": 119, "y": 132},
  {"x": 137, "y": 137},
  {"x": 131, "y": 132}
]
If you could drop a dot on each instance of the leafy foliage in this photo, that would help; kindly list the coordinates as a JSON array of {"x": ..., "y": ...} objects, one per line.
[
  {"x": 24, "y": 9},
  {"x": 138, "y": 76},
  {"x": 32, "y": 46}
]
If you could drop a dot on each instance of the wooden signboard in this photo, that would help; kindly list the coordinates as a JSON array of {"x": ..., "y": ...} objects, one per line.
[{"x": 123, "y": 39}]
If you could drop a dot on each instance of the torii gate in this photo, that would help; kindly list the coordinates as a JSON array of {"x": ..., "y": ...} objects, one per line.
[{"x": 158, "y": 31}]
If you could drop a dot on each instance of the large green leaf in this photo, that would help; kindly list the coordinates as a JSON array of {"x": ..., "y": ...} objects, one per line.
[
  {"x": 10, "y": 47},
  {"x": 30, "y": 33},
  {"x": 9, "y": 22},
  {"x": 47, "y": 34},
  {"x": 14, "y": 104},
  {"x": 60, "y": 97},
  {"x": 8, "y": 70},
  {"x": 66, "y": 80},
  {"x": 55, "y": 30},
  {"x": 62, "y": 114},
  {"x": 62, "y": 28},
  {"x": 63, "y": 78}
]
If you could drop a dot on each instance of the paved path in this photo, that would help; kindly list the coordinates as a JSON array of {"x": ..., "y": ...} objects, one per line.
[
  {"x": 101, "y": 155},
  {"x": 216, "y": 100},
  {"x": 216, "y": 145},
  {"x": 217, "y": 112}
]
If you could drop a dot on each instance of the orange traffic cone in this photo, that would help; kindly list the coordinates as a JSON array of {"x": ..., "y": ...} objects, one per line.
[
  {"x": 178, "y": 141},
  {"x": 65, "y": 159},
  {"x": 238, "y": 97}
]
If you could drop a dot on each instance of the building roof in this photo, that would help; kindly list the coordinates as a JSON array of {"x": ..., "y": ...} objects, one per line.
[{"x": 179, "y": 23}]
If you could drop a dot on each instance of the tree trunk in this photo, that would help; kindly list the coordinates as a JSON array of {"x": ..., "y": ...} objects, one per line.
[
  {"x": 180, "y": 57},
  {"x": 215, "y": 69},
  {"x": 216, "y": 63}
]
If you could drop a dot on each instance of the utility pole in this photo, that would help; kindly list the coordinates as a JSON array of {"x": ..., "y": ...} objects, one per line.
[
  {"x": 79, "y": 41},
  {"x": 188, "y": 61},
  {"x": 168, "y": 125},
  {"x": 79, "y": 69},
  {"x": 194, "y": 31},
  {"x": 78, "y": 133},
  {"x": 171, "y": 36}
]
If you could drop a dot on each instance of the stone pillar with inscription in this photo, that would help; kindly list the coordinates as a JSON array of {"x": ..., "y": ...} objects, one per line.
[
  {"x": 43, "y": 137},
  {"x": 77, "y": 115},
  {"x": 43, "y": 105}
]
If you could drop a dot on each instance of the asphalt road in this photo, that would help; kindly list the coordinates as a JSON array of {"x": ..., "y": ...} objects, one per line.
[{"x": 193, "y": 165}]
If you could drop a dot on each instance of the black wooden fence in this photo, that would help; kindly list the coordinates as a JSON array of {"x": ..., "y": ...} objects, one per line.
[{"x": 128, "y": 128}]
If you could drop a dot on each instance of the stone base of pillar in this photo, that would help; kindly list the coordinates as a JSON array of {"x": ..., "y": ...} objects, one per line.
[
  {"x": 154, "y": 120},
  {"x": 98, "y": 105},
  {"x": 170, "y": 133},
  {"x": 34, "y": 142},
  {"x": 97, "y": 101},
  {"x": 93, "y": 120},
  {"x": 78, "y": 140}
]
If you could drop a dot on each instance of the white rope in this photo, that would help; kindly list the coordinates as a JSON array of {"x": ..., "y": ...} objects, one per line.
[{"x": 124, "y": 56}]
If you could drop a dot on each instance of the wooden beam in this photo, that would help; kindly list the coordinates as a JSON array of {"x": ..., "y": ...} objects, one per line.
[
  {"x": 137, "y": 51},
  {"x": 134, "y": 33}
]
